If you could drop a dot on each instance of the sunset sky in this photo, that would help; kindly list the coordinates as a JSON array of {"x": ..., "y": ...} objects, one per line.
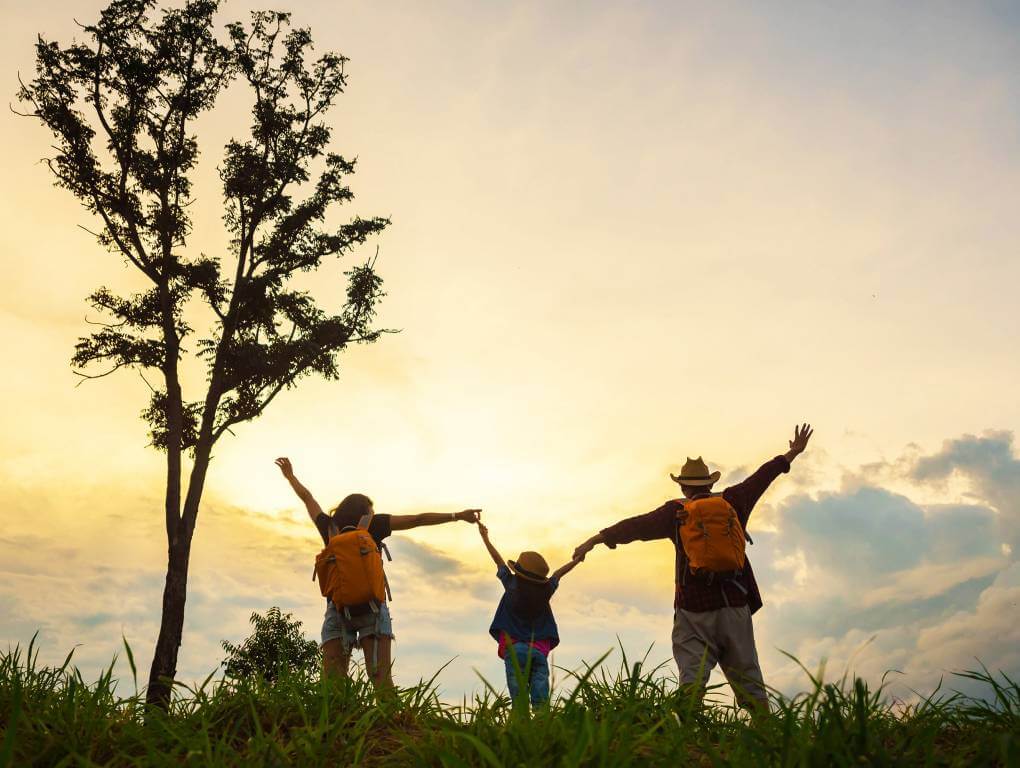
[{"x": 622, "y": 235}]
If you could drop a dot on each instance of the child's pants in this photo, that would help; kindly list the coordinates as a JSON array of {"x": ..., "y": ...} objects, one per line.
[{"x": 537, "y": 676}]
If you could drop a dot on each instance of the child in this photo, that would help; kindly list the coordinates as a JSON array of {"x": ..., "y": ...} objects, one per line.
[{"x": 524, "y": 625}]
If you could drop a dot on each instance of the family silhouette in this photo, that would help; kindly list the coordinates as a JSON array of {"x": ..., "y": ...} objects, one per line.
[{"x": 715, "y": 597}]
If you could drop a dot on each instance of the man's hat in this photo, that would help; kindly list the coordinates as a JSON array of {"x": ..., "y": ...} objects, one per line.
[
  {"x": 531, "y": 566},
  {"x": 695, "y": 472}
]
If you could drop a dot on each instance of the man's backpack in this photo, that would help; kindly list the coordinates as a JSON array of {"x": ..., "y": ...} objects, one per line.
[
  {"x": 712, "y": 537},
  {"x": 350, "y": 569}
]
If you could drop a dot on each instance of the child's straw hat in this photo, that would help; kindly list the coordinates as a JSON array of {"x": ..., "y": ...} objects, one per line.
[{"x": 531, "y": 566}]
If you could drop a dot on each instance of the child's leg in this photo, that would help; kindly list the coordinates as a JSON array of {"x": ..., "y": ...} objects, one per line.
[
  {"x": 510, "y": 660},
  {"x": 539, "y": 678}
]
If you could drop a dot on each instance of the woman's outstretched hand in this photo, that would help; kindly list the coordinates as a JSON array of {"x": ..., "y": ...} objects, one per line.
[
  {"x": 284, "y": 464},
  {"x": 470, "y": 515}
]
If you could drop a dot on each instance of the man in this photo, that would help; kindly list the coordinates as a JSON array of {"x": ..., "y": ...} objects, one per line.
[{"x": 712, "y": 616}]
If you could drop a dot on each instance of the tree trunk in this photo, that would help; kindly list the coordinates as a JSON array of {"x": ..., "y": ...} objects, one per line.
[
  {"x": 175, "y": 591},
  {"x": 164, "y": 661}
]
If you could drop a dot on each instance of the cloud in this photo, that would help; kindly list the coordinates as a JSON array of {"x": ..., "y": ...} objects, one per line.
[
  {"x": 991, "y": 469},
  {"x": 866, "y": 577},
  {"x": 873, "y": 580}
]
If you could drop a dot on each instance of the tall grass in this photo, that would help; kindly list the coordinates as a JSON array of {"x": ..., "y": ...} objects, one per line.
[{"x": 625, "y": 716}]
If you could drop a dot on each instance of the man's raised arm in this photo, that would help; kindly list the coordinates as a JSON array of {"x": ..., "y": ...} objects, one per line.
[{"x": 744, "y": 495}]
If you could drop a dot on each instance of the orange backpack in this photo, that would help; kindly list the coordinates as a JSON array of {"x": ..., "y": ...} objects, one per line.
[
  {"x": 712, "y": 536},
  {"x": 350, "y": 569}
]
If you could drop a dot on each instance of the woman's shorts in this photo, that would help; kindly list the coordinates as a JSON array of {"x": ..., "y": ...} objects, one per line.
[{"x": 351, "y": 630}]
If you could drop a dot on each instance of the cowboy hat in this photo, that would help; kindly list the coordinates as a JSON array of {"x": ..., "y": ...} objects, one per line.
[
  {"x": 695, "y": 472},
  {"x": 531, "y": 566}
]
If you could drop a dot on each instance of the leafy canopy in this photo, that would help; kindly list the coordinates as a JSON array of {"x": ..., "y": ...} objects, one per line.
[{"x": 120, "y": 105}]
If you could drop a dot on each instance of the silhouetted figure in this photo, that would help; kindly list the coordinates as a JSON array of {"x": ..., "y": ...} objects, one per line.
[
  {"x": 368, "y": 626},
  {"x": 713, "y": 601},
  {"x": 524, "y": 625}
]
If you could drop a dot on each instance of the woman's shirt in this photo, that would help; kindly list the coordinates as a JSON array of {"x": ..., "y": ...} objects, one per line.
[{"x": 380, "y": 527}]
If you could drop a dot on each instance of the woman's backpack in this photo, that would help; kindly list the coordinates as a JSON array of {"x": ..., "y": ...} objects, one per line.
[
  {"x": 350, "y": 569},
  {"x": 712, "y": 536}
]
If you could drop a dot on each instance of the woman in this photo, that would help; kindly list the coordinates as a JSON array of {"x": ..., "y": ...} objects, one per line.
[{"x": 372, "y": 630}]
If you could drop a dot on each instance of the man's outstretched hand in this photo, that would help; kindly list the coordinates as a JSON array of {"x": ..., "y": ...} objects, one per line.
[
  {"x": 581, "y": 552},
  {"x": 801, "y": 435}
]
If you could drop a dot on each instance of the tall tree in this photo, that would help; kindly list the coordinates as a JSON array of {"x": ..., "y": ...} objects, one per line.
[{"x": 122, "y": 105}]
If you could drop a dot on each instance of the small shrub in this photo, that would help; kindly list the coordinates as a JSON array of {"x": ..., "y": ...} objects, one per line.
[{"x": 277, "y": 644}]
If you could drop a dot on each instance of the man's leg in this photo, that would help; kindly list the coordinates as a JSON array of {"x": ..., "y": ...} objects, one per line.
[
  {"x": 739, "y": 658},
  {"x": 694, "y": 647}
]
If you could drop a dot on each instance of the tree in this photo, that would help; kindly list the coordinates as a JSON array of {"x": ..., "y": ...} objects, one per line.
[
  {"x": 276, "y": 645},
  {"x": 122, "y": 106}
]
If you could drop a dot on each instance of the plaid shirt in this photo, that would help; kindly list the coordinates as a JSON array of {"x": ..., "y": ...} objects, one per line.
[{"x": 661, "y": 523}]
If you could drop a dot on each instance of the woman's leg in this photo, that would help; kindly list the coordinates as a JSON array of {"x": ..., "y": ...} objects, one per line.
[
  {"x": 337, "y": 641},
  {"x": 378, "y": 660},
  {"x": 377, "y": 642},
  {"x": 335, "y": 660}
]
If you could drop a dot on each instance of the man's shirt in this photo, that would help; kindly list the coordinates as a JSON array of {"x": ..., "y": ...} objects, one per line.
[{"x": 696, "y": 594}]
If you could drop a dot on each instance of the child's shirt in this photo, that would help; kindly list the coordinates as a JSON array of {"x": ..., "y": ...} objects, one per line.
[
  {"x": 538, "y": 628},
  {"x": 505, "y": 642}
]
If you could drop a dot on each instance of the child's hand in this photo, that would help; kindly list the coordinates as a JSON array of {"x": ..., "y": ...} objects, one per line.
[
  {"x": 482, "y": 530},
  {"x": 284, "y": 464}
]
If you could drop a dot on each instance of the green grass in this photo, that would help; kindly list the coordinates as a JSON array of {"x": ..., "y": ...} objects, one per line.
[{"x": 628, "y": 716}]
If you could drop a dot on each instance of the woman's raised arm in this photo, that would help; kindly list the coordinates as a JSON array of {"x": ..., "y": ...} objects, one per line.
[{"x": 314, "y": 510}]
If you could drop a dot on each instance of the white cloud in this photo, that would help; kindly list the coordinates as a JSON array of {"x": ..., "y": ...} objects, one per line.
[{"x": 863, "y": 577}]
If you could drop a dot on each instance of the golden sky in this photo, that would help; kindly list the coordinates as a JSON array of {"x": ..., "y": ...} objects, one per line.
[{"x": 621, "y": 236}]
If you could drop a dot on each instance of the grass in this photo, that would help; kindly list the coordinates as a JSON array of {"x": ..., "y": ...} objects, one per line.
[{"x": 627, "y": 716}]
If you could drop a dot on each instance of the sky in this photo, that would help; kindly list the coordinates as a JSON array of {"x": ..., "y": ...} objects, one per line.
[{"x": 621, "y": 236}]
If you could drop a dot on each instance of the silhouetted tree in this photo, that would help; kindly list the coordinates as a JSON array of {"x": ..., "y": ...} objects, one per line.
[
  {"x": 275, "y": 646},
  {"x": 122, "y": 105}
]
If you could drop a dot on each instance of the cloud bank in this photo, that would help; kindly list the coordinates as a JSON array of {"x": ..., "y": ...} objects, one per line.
[{"x": 861, "y": 576}]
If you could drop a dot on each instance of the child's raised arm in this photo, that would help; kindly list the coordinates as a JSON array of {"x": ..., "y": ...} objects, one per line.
[
  {"x": 493, "y": 552},
  {"x": 563, "y": 570}
]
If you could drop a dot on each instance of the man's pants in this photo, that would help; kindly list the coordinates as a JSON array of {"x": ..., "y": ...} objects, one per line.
[{"x": 702, "y": 639}]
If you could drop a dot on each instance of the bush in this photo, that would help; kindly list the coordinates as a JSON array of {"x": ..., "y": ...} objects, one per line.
[{"x": 276, "y": 645}]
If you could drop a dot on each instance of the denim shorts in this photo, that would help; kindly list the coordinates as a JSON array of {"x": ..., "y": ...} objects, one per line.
[{"x": 352, "y": 630}]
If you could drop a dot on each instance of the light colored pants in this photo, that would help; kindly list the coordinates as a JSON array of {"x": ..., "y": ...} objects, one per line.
[{"x": 702, "y": 639}]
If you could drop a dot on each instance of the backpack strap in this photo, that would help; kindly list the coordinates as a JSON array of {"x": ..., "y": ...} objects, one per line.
[
  {"x": 681, "y": 560},
  {"x": 386, "y": 581}
]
